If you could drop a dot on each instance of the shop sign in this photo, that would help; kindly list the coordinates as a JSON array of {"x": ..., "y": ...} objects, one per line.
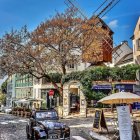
[
  {"x": 51, "y": 93},
  {"x": 102, "y": 87}
]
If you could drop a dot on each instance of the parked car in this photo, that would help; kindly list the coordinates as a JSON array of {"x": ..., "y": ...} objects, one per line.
[
  {"x": 0, "y": 108},
  {"x": 6, "y": 109},
  {"x": 45, "y": 124}
]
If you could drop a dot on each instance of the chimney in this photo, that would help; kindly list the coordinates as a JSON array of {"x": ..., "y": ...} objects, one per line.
[{"x": 124, "y": 42}]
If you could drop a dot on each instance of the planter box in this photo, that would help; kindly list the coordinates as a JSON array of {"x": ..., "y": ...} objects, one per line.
[
  {"x": 22, "y": 113},
  {"x": 27, "y": 114}
]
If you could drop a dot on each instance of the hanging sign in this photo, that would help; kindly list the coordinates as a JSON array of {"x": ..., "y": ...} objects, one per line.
[
  {"x": 124, "y": 122},
  {"x": 51, "y": 92}
]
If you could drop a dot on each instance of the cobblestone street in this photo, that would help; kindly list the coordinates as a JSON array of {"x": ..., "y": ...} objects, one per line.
[{"x": 13, "y": 128}]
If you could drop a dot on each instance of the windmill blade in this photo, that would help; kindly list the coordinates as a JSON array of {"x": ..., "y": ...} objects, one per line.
[
  {"x": 74, "y": 4},
  {"x": 110, "y": 8},
  {"x": 106, "y": 6}
]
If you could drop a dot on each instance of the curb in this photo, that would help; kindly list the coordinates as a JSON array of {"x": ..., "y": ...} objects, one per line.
[{"x": 96, "y": 136}]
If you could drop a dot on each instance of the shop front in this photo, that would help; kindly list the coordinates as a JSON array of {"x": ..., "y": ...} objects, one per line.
[
  {"x": 49, "y": 101},
  {"x": 102, "y": 86},
  {"x": 74, "y": 101},
  {"x": 107, "y": 87},
  {"x": 124, "y": 87}
]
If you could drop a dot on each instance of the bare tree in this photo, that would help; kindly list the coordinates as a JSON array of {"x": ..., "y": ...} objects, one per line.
[
  {"x": 54, "y": 45},
  {"x": 51, "y": 47}
]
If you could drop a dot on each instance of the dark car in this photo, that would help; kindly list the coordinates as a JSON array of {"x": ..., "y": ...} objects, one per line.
[{"x": 44, "y": 124}]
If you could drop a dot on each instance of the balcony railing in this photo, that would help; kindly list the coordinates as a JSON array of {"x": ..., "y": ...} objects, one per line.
[{"x": 24, "y": 84}]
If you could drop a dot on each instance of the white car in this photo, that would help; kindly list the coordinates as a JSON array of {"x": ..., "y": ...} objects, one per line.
[
  {"x": 7, "y": 110},
  {"x": 2, "y": 108}
]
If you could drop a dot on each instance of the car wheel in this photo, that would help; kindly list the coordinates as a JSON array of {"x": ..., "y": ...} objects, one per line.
[
  {"x": 35, "y": 136},
  {"x": 27, "y": 132},
  {"x": 32, "y": 136}
]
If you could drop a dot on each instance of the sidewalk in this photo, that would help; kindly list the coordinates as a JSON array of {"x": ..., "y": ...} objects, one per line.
[
  {"x": 96, "y": 136},
  {"x": 110, "y": 117},
  {"x": 110, "y": 121},
  {"x": 1, "y": 113},
  {"x": 86, "y": 126}
]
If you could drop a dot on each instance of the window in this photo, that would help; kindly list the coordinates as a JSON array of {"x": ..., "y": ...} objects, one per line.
[
  {"x": 37, "y": 81},
  {"x": 134, "y": 48},
  {"x": 62, "y": 46},
  {"x": 138, "y": 44},
  {"x": 138, "y": 59},
  {"x": 45, "y": 80},
  {"x": 46, "y": 115},
  {"x": 71, "y": 65}
]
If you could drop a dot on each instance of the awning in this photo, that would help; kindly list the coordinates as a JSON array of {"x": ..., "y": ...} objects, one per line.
[
  {"x": 102, "y": 87},
  {"x": 124, "y": 86}
]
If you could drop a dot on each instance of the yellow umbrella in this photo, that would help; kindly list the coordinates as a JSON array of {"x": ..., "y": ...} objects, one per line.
[{"x": 120, "y": 98}]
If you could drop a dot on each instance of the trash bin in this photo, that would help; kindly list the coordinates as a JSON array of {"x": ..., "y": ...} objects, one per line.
[{"x": 136, "y": 129}]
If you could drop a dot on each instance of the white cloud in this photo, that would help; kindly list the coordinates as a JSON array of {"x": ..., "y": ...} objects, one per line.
[
  {"x": 113, "y": 23},
  {"x": 126, "y": 26},
  {"x": 104, "y": 17}
]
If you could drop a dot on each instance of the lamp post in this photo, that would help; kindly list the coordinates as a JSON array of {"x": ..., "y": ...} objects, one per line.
[{"x": 110, "y": 81}]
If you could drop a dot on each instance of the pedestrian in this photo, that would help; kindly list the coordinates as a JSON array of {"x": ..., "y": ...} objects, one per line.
[{"x": 33, "y": 111}]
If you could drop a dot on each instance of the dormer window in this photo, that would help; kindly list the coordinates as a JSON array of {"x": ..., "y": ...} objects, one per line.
[
  {"x": 61, "y": 48},
  {"x": 71, "y": 66}
]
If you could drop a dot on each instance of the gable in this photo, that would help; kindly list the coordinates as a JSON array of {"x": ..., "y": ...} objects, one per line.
[{"x": 137, "y": 28}]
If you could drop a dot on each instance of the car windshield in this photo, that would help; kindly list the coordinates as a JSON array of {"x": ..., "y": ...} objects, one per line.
[{"x": 46, "y": 115}]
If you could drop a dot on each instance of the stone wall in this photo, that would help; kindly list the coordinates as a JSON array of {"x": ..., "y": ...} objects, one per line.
[{"x": 66, "y": 99}]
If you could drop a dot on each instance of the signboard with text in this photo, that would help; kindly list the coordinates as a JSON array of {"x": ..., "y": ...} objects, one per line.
[
  {"x": 124, "y": 122},
  {"x": 99, "y": 120}
]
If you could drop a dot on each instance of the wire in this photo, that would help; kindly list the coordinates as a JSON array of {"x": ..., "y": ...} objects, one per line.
[
  {"x": 110, "y": 8},
  {"x": 100, "y": 6}
]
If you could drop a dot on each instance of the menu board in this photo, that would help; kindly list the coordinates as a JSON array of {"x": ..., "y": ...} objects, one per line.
[
  {"x": 124, "y": 122},
  {"x": 97, "y": 118}
]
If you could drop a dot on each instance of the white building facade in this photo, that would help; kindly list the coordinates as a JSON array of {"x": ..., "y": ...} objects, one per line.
[
  {"x": 122, "y": 55},
  {"x": 136, "y": 43}
]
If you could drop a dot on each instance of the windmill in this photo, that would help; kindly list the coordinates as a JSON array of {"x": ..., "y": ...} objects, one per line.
[{"x": 100, "y": 12}]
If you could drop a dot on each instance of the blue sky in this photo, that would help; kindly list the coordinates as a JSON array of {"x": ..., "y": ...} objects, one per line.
[{"x": 17, "y": 13}]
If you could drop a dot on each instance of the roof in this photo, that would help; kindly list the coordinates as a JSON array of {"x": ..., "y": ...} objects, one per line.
[
  {"x": 120, "y": 45},
  {"x": 116, "y": 48},
  {"x": 132, "y": 37},
  {"x": 137, "y": 23},
  {"x": 101, "y": 20},
  {"x": 124, "y": 59}
]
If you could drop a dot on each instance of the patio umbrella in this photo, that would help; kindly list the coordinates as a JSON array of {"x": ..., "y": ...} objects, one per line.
[
  {"x": 22, "y": 101},
  {"x": 120, "y": 98},
  {"x": 34, "y": 100}
]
